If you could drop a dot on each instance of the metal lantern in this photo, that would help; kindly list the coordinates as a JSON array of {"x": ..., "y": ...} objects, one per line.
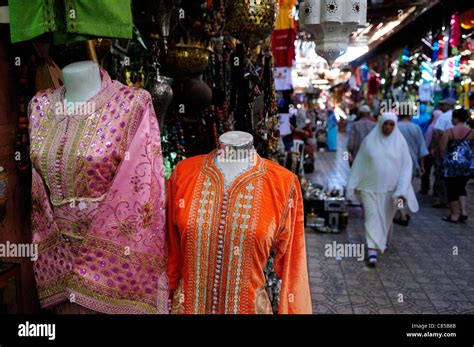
[
  {"x": 251, "y": 21},
  {"x": 331, "y": 22},
  {"x": 161, "y": 94},
  {"x": 187, "y": 60},
  {"x": 162, "y": 11}
]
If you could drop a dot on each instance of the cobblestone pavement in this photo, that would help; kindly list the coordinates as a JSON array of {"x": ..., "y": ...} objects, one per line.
[{"x": 420, "y": 273}]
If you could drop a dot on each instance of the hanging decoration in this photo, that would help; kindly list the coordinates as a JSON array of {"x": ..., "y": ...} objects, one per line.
[
  {"x": 251, "y": 21},
  {"x": 162, "y": 11},
  {"x": 331, "y": 22},
  {"x": 188, "y": 60},
  {"x": 161, "y": 94}
]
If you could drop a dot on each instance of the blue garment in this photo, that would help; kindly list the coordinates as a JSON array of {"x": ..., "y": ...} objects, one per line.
[
  {"x": 423, "y": 119},
  {"x": 458, "y": 159},
  {"x": 332, "y": 132}
]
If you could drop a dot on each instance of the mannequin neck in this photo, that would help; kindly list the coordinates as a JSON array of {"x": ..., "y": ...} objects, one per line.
[
  {"x": 236, "y": 147},
  {"x": 82, "y": 81},
  {"x": 235, "y": 156}
]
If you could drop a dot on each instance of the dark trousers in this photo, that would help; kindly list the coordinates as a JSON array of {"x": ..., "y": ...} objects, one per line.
[
  {"x": 439, "y": 185},
  {"x": 425, "y": 178},
  {"x": 456, "y": 187}
]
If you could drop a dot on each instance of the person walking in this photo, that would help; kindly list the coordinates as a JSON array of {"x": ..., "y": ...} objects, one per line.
[
  {"x": 443, "y": 123},
  {"x": 359, "y": 130},
  {"x": 418, "y": 151},
  {"x": 456, "y": 149},
  {"x": 381, "y": 177},
  {"x": 332, "y": 131},
  {"x": 429, "y": 160}
]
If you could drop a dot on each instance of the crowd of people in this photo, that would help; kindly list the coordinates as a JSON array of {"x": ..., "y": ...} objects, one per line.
[{"x": 388, "y": 153}]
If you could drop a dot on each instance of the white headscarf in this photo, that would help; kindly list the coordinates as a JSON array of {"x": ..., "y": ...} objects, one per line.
[{"x": 383, "y": 164}]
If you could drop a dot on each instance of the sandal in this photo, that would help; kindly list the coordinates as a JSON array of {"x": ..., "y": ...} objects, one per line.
[
  {"x": 448, "y": 219},
  {"x": 402, "y": 222},
  {"x": 463, "y": 218},
  {"x": 372, "y": 260}
]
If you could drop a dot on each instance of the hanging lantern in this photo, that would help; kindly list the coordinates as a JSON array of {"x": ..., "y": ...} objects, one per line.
[
  {"x": 187, "y": 60},
  {"x": 331, "y": 22},
  {"x": 161, "y": 94},
  {"x": 251, "y": 21},
  {"x": 162, "y": 11}
]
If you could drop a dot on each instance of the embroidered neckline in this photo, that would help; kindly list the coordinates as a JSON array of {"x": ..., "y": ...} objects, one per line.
[
  {"x": 107, "y": 90},
  {"x": 209, "y": 162},
  {"x": 227, "y": 182}
]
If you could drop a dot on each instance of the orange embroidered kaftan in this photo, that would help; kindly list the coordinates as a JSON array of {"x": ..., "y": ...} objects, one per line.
[{"x": 220, "y": 239}]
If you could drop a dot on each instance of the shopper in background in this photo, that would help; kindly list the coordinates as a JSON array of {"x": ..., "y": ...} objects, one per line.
[
  {"x": 429, "y": 160},
  {"x": 456, "y": 149},
  {"x": 332, "y": 131},
  {"x": 418, "y": 151},
  {"x": 381, "y": 176},
  {"x": 443, "y": 123},
  {"x": 416, "y": 142},
  {"x": 351, "y": 118},
  {"x": 422, "y": 119},
  {"x": 359, "y": 130}
]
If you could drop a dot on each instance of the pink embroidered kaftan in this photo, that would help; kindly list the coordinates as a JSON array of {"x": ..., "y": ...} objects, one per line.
[{"x": 98, "y": 201}]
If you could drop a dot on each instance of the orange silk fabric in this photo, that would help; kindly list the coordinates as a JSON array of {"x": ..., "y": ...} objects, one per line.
[{"x": 220, "y": 239}]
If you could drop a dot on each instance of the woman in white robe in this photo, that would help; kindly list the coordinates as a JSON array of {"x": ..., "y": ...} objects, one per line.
[{"x": 381, "y": 177}]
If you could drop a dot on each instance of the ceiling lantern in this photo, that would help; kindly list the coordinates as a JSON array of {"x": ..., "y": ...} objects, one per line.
[
  {"x": 331, "y": 23},
  {"x": 251, "y": 21}
]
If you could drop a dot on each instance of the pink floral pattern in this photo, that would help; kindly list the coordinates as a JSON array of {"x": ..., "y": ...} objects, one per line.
[{"x": 98, "y": 202}]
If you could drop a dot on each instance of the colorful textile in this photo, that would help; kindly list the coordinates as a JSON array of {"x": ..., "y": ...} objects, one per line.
[
  {"x": 70, "y": 20},
  {"x": 285, "y": 19},
  {"x": 459, "y": 157},
  {"x": 98, "y": 201},
  {"x": 283, "y": 47},
  {"x": 332, "y": 132},
  {"x": 220, "y": 239},
  {"x": 283, "y": 78}
]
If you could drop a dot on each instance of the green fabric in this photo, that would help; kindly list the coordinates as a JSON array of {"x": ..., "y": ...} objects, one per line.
[{"x": 70, "y": 20}]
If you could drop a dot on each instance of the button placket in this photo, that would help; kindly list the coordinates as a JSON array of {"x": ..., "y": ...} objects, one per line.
[{"x": 220, "y": 249}]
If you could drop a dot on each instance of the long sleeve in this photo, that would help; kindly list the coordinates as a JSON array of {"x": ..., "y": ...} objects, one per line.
[
  {"x": 290, "y": 260},
  {"x": 404, "y": 185},
  {"x": 42, "y": 216},
  {"x": 127, "y": 234},
  {"x": 405, "y": 173},
  {"x": 173, "y": 238}
]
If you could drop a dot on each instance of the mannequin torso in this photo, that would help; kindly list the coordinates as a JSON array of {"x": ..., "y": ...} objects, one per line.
[
  {"x": 235, "y": 156},
  {"x": 82, "y": 81}
]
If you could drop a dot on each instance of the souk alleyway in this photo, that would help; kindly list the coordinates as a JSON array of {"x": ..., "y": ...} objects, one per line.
[{"x": 418, "y": 274}]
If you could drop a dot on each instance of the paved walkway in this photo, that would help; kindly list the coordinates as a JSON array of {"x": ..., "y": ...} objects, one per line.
[{"x": 420, "y": 273}]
